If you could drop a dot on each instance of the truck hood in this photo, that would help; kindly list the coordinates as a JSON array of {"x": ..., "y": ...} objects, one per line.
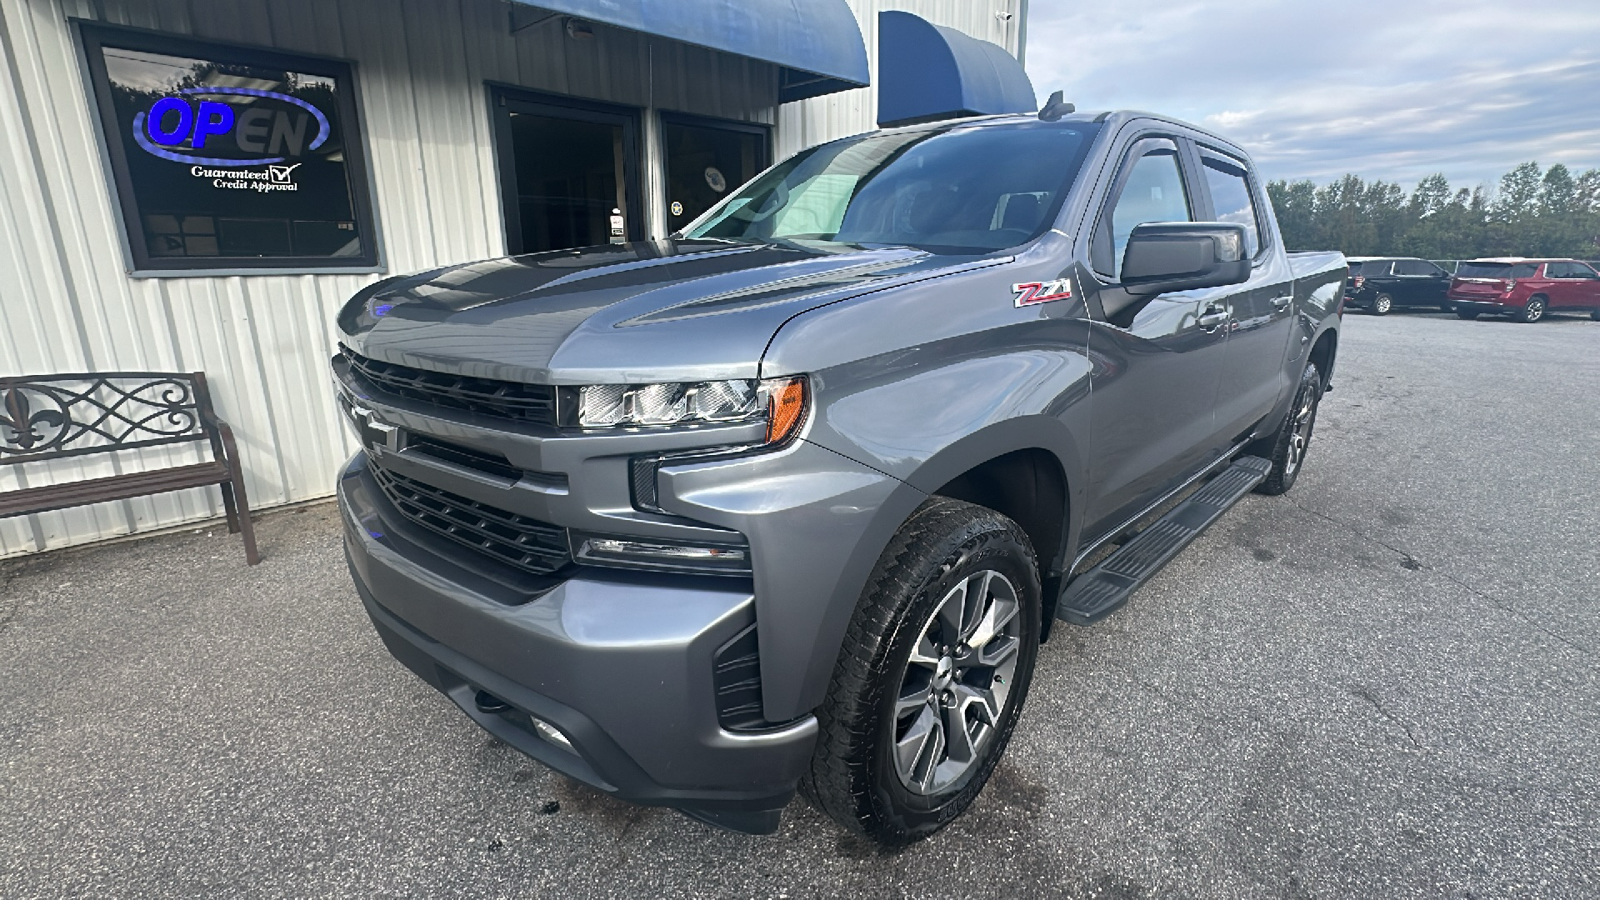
[{"x": 632, "y": 313}]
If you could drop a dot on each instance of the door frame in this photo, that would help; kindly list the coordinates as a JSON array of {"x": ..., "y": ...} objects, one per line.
[
  {"x": 505, "y": 99},
  {"x": 665, "y": 117}
]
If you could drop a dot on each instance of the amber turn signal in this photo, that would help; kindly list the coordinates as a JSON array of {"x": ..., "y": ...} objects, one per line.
[{"x": 786, "y": 408}]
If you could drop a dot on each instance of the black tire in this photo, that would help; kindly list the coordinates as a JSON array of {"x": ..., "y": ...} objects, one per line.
[
  {"x": 854, "y": 775},
  {"x": 1594, "y": 314},
  {"x": 1537, "y": 306},
  {"x": 1447, "y": 306},
  {"x": 1464, "y": 313},
  {"x": 1381, "y": 305},
  {"x": 1288, "y": 455}
]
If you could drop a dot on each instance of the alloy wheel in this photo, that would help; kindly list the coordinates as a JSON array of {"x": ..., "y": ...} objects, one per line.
[
  {"x": 1300, "y": 438},
  {"x": 1534, "y": 311},
  {"x": 957, "y": 682}
]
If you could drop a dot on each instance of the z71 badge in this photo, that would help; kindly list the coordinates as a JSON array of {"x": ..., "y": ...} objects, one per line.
[{"x": 1032, "y": 292}]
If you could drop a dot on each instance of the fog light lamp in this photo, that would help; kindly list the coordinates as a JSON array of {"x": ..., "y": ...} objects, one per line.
[{"x": 637, "y": 553}]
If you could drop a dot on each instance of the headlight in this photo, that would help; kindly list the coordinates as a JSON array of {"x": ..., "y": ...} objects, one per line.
[{"x": 780, "y": 402}]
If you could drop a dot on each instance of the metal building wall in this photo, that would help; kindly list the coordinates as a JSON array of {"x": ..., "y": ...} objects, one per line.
[
  {"x": 819, "y": 119},
  {"x": 67, "y": 303}
]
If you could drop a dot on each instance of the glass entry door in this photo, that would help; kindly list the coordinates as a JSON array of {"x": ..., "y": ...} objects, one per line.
[
  {"x": 568, "y": 172},
  {"x": 706, "y": 160}
]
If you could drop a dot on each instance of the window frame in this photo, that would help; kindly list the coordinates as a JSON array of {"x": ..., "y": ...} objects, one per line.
[
  {"x": 667, "y": 117},
  {"x": 1264, "y": 234},
  {"x": 93, "y": 36},
  {"x": 1137, "y": 148}
]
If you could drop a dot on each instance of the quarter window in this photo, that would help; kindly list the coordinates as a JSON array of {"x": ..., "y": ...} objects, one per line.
[
  {"x": 231, "y": 158},
  {"x": 1230, "y": 196}
]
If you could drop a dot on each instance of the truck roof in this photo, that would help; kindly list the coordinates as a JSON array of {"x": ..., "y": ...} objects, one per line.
[{"x": 1114, "y": 118}]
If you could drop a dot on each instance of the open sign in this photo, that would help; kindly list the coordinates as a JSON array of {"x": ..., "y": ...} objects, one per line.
[{"x": 270, "y": 132}]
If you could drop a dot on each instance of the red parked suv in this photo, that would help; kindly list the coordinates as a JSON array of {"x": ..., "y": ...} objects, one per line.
[{"x": 1525, "y": 289}]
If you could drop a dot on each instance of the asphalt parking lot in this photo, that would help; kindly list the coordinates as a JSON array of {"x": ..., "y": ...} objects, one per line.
[{"x": 1383, "y": 684}]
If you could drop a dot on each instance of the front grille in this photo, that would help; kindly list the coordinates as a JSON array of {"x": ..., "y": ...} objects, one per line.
[
  {"x": 518, "y": 541},
  {"x": 531, "y": 403}
]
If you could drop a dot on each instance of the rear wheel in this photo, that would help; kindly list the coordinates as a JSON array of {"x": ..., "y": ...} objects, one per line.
[
  {"x": 1289, "y": 446},
  {"x": 1381, "y": 304},
  {"x": 1464, "y": 313},
  {"x": 1535, "y": 309},
  {"x": 933, "y": 673}
]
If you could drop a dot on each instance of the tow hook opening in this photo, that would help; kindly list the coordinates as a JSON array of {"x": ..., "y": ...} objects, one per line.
[{"x": 490, "y": 704}]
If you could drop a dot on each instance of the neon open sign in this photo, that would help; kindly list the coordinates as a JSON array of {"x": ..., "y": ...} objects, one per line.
[{"x": 174, "y": 122}]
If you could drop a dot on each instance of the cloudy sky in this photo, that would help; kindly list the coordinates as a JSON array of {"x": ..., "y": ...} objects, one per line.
[{"x": 1392, "y": 89}]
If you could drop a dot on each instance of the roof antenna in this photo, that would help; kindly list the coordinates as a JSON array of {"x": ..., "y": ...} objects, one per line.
[{"x": 1055, "y": 107}]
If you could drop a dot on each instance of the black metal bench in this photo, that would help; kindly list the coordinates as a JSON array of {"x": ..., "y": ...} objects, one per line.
[{"x": 50, "y": 417}]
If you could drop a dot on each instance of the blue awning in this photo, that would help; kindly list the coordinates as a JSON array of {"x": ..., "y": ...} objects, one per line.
[
  {"x": 928, "y": 72},
  {"x": 816, "y": 43}
]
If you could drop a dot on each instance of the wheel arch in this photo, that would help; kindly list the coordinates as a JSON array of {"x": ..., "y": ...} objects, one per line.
[{"x": 1323, "y": 353}]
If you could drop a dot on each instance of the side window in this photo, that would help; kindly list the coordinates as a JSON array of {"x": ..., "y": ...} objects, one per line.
[
  {"x": 1556, "y": 270},
  {"x": 1579, "y": 270},
  {"x": 1414, "y": 267},
  {"x": 1376, "y": 268},
  {"x": 1152, "y": 192},
  {"x": 1230, "y": 195}
]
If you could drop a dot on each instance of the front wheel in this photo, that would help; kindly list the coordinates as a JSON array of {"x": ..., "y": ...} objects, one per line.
[
  {"x": 1534, "y": 311},
  {"x": 1289, "y": 445},
  {"x": 1381, "y": 304},
  {"x": 933, "y": 673}
]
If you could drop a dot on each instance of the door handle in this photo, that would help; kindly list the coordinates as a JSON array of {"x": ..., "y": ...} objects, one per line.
[
  {"x": 1282, "y": 302},
  {"x": 1213, "y": 317}
]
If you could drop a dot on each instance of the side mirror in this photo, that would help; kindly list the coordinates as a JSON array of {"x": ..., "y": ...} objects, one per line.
[{"x": 1182, "y": 256}]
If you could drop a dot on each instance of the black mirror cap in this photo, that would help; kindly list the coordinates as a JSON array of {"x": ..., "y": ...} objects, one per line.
[{"x": 1183, "y": 256}]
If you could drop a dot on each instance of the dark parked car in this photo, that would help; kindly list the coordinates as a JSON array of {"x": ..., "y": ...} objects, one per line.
[
  {"x": 1381, "y": 283},
  {"x": 792, "y": 498},
  {"x": 1525, "y": 289}
]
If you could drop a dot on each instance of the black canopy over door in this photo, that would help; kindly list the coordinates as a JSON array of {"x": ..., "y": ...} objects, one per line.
[{"x": 569, "y": 171}]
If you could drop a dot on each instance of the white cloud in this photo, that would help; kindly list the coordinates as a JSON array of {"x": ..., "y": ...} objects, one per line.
[{"x": 1393, "y": 89}]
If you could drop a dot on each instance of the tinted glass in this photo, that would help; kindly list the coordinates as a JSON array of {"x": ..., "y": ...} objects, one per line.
[
  {"x": 230, "y": 162},
  {"x": 704, "y": 163},
  {"x": 1580, "y": 270},
  {"x": 950, "y": 190},
  {"x": 1376, "y": 267},
  {"x": 1230, "y": 195},
  {"x": 1154, "y": 192},
  {"x": 1496, "y": 270},
  {"x": 1557, "y": 270},
  {"x": 569, "y": 181},
  {"x": 1414, "y": 267}
]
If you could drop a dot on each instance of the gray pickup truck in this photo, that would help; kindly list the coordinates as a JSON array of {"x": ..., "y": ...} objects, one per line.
[{"x": 791, "y": 499}]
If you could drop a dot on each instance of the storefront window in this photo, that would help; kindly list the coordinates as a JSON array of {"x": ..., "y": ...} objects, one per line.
[
  {"x": 707, "y": 160},
  {"x": 231, "y": 158}
]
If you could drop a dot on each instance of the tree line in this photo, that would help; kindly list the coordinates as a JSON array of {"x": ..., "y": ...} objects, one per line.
[{"x": 1534, "y": 213}]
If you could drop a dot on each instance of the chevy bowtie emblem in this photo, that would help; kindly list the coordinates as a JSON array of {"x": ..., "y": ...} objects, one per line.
[
  {"x": 373, "y": 431},
  {"x": 1032, "y": 292}
]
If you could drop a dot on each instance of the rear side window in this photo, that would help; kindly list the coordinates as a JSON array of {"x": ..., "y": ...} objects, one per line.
[
  {"x": 1496, "y": 270},
  {"x": 1415, "y": 267},
  {"x": 1374, "y": 267},
  {"x": 1153, "y": 192},
  {"x": 1556, "y": 270},
  {"x": 1230, "y": 195}
]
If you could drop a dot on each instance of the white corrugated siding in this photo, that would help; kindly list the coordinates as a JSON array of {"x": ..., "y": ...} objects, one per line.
[{"x": 67, "y": 303}]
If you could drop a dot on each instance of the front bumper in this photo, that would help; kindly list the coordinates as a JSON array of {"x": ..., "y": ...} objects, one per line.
[{"x": 620, "y": 663}]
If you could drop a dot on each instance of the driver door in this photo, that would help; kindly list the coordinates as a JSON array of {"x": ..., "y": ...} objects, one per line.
[{"x": 1158, "y": 361}]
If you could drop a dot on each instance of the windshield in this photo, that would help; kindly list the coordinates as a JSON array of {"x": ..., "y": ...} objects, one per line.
[
  {"x": 951, "y": 190},
  {"x": 1496, "y": 270}
]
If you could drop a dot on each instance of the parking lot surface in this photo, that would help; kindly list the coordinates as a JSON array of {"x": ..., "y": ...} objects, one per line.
[{"x": 1382, "y": 684}]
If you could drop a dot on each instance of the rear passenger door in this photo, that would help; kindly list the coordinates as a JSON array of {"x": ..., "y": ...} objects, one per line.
[
  {"x": 1261, "y": 311},
  {"x": 1419, "y": 283},
  {"x": 1572, "y": 286}
]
